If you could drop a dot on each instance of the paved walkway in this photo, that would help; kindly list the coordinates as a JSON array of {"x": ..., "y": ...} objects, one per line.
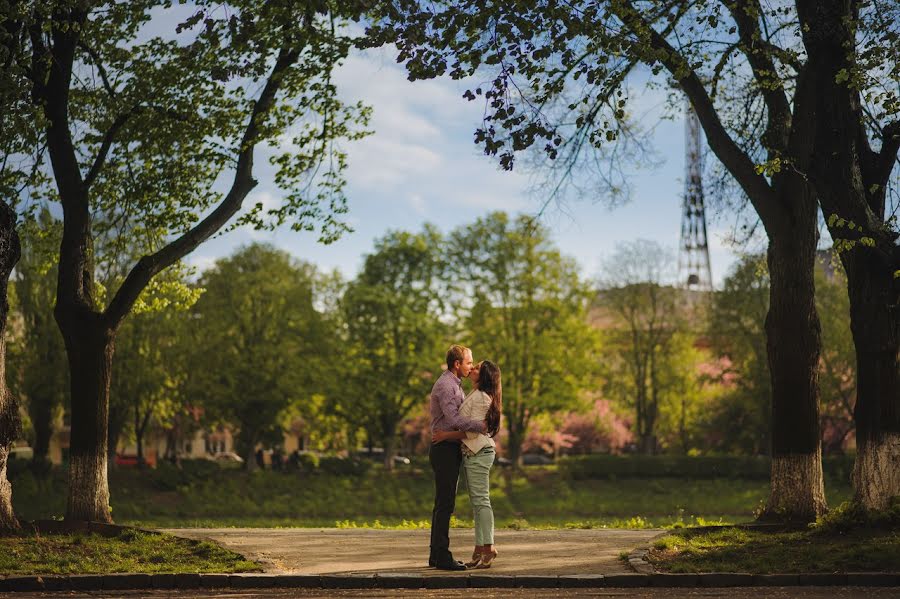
[{"x": 366, "y": 551}]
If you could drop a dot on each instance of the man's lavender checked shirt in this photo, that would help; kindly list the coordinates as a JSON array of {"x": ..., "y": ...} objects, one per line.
[{"x": 446, "y": 397}]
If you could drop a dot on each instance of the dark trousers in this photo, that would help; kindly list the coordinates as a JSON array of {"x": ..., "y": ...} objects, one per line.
[{"x": 445, "y": 460}]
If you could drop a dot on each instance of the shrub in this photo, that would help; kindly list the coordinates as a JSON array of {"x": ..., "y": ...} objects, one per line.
[
  {"x": 601, "y": 466},
  {"x": 344, "y": 466},
  {"x": 308, "y": 462},
  {"x": 199, "y": 469}
]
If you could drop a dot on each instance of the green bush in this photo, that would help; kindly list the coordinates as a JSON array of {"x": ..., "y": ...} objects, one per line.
[
  {"x": 610, "y": 467},
  {"x": 308, "y": 462},
  {"x": 344, "y": 466},
  {"x": 199, "y": 469},
  {"x": 168, "y": 477}
]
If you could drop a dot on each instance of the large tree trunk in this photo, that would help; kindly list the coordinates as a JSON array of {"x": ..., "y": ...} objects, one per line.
[
  {"x": 10, "y": 423},
  {"x": 851, "y": 180},
  {"x": 89, "y": 347},
  {"x": 793, "y": 343},
  {"x": 875, "y": 324}
]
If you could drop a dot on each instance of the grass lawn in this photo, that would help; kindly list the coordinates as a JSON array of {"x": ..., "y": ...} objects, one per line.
[
  {"x": 539, "y": 498},
  {"x": 838, "y": 543},
  {"x": 132, "y": 551}
]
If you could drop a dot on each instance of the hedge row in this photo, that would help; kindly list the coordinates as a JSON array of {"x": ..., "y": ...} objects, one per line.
[{"x": 699, "y": 467}]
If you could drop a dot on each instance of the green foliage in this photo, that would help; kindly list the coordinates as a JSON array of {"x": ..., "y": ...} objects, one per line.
[
  {"x": 525, "y": 309},
  {"x": 257, "y": 315},
  {"x": 851, "y": 516},
  {"x": 610, "y": 467},
  {"x": 741, "y": 421},
  {"x": 648, "y": 359},
  {"x": 344, "y": 466},
  {"x": 36, "y": 354},
  {"x": 395, "y": 337}
]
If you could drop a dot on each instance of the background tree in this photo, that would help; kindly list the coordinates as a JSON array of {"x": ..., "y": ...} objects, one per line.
[
  {"x": 524, "y": 307},
  {"x": 742, "y": 420},
  {"x": 644, "y": 313},
  {"x": 150, "y": 375},
  {"x": 838, "y": 365},
  {"x": 140, "y": 120},
  {"x": 736, "y": 332},
  {"x": 257, "y": 318},
  {"x": 39, "y": 373},
  {"x": 393, "y": 312},
  {"x": 557, "y": 78}
]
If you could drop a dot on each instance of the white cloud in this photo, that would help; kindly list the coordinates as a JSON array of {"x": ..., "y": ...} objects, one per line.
[
  {"x": 385, "y": 161},
  {"x": 417, "y": 203}
]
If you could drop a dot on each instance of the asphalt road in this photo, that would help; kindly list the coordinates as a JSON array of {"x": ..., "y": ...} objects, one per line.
[{"x": 730, "y": 593}]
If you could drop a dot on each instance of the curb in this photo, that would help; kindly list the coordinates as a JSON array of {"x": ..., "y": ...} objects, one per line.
[{"x": 400, "y": 580}]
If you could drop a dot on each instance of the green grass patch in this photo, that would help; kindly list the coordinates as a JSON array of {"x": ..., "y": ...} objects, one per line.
[
  {"x": 759, "y": 552},
  {"x": 541, "y": 497},
  {"x": 132, "y": 551}
]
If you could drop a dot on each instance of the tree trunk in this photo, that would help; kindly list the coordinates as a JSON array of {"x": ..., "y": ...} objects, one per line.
[
  {"x": 514, "y": 441},
  {"x": 851, "y": 180},
  {"x": 90, "y": 348},
  {"x": 875, "y": 324},
  {"x": 390, "y": 445},
  {"x": 41, "y": 413},
  {"x": 10, "y": 423},
  {"x": 793, "y": 343}
]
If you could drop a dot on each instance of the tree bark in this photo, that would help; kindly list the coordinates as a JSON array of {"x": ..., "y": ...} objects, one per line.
[
  {"x": 90, "y": 347},
  {"x": 793, "y": 346},
  {"x": 876, "y": 333},
  {"x": 10, "y": 423}
]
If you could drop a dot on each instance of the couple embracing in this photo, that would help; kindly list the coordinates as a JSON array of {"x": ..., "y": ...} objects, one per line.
[{"x": 463, "y": 430}]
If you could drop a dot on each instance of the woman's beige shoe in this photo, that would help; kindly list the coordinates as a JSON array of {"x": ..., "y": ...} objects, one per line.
[
  {"x": 476, "y": 559},
  {"x": 487, "y": 559}
]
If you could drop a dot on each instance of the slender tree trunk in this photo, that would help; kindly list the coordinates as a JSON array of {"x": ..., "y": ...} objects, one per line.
[
  {"x": 10, "y": 423},
  {"x": 390, "y": 445},
  {"x": 140, "y": 428},
  {"x": 90, "y": 348},
  {"x": 793, "y": 342},
  {"x": 41, "y": 413}
]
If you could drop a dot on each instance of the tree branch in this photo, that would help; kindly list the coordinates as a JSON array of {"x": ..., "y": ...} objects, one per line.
[
  {"x": 746, "y": 16},
  {"x": 728, "y": 152},
  {"x": 104, "y": 77},
  {"x": 148, "y": 266},
  {"x": 884, "y": 161},
  {"x": 108, "y": 139}
]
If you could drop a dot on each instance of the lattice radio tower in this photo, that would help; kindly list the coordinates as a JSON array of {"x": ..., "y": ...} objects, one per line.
[{"x": 694, "y": 272}]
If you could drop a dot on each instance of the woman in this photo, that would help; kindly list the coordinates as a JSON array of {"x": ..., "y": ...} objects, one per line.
[{"x": 478, "y": 456}]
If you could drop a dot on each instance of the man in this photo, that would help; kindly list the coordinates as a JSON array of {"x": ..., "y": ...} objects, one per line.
[{"x": 446, "y": 456}]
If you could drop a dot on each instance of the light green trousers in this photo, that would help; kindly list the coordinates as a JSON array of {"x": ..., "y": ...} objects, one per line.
[{"x": 478, "y": 477}]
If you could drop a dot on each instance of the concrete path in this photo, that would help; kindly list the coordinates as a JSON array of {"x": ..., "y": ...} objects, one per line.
[{"x": 358, "y": 551}]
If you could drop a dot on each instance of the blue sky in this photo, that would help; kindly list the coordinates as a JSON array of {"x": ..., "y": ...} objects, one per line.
[{"x": 421, "y": 165}]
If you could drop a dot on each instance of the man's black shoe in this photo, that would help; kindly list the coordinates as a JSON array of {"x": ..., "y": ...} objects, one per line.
[
  {"x": 431, "y": 562},
  {"x": 453, "y": 565}
]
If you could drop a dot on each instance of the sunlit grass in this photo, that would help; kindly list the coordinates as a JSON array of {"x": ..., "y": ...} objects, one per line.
[{"x": 132, "y": 551}]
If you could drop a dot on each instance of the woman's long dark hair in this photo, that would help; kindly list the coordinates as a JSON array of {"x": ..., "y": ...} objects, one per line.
[{"x": 489, "y": 383}]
